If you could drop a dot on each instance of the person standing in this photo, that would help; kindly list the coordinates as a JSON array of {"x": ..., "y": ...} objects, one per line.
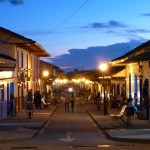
[
  {"x": 29, "y": 105},
  {"x": 67, "y": 101},
  {"x": 98, "y": 99},
  {"x": 30, "y": 96},
  {"x": 72, "y": 101},
  {"x": 38, "y": 100},
  {"x": 136, "y": 105},
  {"x": 35, "y": 100},
  {"x": 130, "y": 105}
]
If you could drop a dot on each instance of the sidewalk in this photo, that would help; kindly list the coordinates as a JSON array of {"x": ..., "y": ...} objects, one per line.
[
  {"x": 139, "y": 130},
  {"x": 21, "y": 128}
]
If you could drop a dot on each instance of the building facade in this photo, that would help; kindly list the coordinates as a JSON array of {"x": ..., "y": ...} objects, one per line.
[
  {"x": 25, "y": 55},
  {"x": 137, "y": 75}
]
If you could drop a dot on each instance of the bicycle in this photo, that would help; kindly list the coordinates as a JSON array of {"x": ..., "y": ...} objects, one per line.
[{"x": 12, "y": 111}]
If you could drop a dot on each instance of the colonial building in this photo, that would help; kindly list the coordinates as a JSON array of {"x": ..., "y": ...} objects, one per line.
[
  {"x": 23, "y": 55},
  {"x": 137, "y": 74},
  {"x": 7, "y": 79},
  {"x": 48, "y": 74}
]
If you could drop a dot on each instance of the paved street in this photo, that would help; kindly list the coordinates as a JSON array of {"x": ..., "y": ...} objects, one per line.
[{"x": 86, "y": 127}]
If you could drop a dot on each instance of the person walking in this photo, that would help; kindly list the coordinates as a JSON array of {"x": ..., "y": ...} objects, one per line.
[
  {"x": 38, "y": 99},
  {"x": 35, "y": 100},
  {"x": 67, "y": 101},
  {"x": 98, "y": 99},
  {"x": 30, "y": 96},
  {"x": 29, "y": 105},
  {"x": 72, "y": 101}
]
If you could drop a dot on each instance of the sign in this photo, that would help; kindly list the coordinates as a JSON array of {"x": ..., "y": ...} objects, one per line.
[{"x": 105, "y": 82}]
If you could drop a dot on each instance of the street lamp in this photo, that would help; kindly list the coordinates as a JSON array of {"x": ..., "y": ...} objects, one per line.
[
  {"x": 45, "y": 74},
  {"x": 103, "y": 68}
]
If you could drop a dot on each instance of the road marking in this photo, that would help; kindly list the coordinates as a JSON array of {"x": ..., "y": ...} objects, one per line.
[{"x": 67, "y": 138}]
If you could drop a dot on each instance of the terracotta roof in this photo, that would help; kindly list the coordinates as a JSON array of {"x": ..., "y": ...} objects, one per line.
[
  {"x": 7, "y": 63},
  {"x": 52, "y": 66},
  {"x": 94, "y": 74},
  {"x": 141, "y": 57},
  {"x": 9, "y": 37},
  {"x": 7, "y": 57},
  {"x": 145, "y": 46}
]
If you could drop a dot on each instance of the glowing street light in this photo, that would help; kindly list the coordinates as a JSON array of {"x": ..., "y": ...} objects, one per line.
[
  {"x": 45, "y": 73},
  {"x": 103, "y": 68}
]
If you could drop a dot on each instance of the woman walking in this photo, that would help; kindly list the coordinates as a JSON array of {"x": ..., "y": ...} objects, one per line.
[{"x": 72, "y": 101}]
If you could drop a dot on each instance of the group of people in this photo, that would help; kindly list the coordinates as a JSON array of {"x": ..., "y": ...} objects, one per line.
[
  {"x": 37, "y": 98},
  {"x": 69, "y": 101}
]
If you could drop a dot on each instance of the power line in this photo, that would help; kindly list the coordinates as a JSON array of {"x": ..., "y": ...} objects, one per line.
[
  {"x": 59, "y": 25},
  {"x": 95, "y": 39}
]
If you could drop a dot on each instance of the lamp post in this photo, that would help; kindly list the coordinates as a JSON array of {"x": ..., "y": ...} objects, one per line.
[
  {"x": 103, "y": 68},
  {"x": 45, "y": 74}
]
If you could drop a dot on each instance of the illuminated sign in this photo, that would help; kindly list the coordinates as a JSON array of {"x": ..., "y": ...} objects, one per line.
[{"x": 5, "y": 74}]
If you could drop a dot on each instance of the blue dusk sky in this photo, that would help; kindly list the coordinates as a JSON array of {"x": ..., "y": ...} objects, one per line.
[{"x": 67, "y": 26}]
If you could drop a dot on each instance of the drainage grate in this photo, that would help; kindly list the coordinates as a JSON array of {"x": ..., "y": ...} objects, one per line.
[
  {"x": 84, "y": 146},
  {"x": 105, "y": 145},
  {"x": 122, "y": 145},
  {"x": 24, "y": 147}
]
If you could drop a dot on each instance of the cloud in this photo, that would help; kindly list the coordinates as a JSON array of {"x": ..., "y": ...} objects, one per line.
[
  {"x": 86, "y": 59},
  {"x": 147, "y": 14},
  {"x": 138, "y": 31},
  {"x": 110, "y": 24},
  {"x": 14, "y": 2}
]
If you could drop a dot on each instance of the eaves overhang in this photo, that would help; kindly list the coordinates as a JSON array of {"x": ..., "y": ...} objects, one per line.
[
  {"x": 34, "y": 48},
  {"x": 141, "y": 57},
  {"x": 9, "y": 37},
  {"x": 140, "y": 53},
  {"x": 113, "y": 71},
  {"x": 7, "y": 63}
]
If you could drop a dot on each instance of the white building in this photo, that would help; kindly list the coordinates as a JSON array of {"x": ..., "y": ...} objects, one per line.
[
  {"x": 137, "y": 74},
  {"x": 24, "y": 57}
]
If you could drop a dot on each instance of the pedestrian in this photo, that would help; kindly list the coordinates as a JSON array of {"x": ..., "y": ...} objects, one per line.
[
  {"x": 67, "y": 101},
  {"x": 72, "y": 101},
  {"x": 130, "y": 106},
  {"x": 30, "y": 96},
  {"x": 136, "y": 105},
  {"x": 30, "y": 102},
  {"x": 35, "y": 100},
  {"x": 98, "y": 99},
  {"x": 38, "y": 100}
]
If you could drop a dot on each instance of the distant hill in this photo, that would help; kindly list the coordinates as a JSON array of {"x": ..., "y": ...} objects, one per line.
[{"x": 86, "y": 59}]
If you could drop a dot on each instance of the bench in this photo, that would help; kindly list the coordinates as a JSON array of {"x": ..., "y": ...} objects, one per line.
[{"x": 122, "y": 115}]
